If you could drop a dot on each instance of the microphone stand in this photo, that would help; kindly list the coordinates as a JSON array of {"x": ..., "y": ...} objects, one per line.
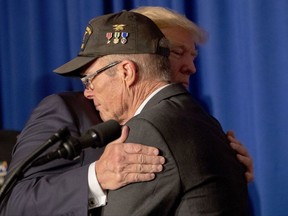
[
  {"x": 17, "y": 173},
  {"x": 70, "y": 148}
]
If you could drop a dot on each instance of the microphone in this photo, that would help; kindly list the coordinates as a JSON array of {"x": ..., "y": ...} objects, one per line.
[{"x": 97, "y": 136}]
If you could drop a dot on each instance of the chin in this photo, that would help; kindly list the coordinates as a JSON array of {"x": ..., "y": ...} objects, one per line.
[
  {"x": 186, "y": 85},
  {"x": 103, "y": 117}
]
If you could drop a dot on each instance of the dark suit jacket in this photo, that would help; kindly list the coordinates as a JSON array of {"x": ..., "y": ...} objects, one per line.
[
  {"x": 202, "y": 175},
  {"x": 59, "y": 187}
]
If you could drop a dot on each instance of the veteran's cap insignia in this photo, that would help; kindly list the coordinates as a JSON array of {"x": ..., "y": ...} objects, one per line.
[
  {"x": 118, "y": 36},
  {"x": 88, "y": 32}
]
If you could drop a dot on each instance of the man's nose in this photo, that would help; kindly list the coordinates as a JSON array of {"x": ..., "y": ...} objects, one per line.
[
  {"x": 88, "y": 93},
  {"x": 188, "y": 69}
]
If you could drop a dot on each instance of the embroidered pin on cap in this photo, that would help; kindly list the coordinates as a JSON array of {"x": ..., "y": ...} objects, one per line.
[
  {"x": 86, "y": 36},
  {"x": 118, "y": 33}
]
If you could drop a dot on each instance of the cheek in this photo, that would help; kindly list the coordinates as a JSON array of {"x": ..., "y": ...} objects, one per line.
[
  {"x": 175, "y": 69},
  {"x": 111, "y": 97},
  {"x": 175, "y": 65}
]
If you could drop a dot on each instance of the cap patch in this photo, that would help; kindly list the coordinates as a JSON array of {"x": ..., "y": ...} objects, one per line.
[
  {"x": 87, "y": 33},
  {"x": 118, "y": 35}
]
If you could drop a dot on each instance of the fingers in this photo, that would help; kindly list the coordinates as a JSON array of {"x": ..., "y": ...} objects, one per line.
[
  {"x": 122, "y": 164},
  {"x": 243, "y": 155},
  {"x": 240, "y": 149},
  {"x": 141, "y": 158},
  {"x": 248, "y": 163},
  {"x": 117, "y": 176},
  {"x": 137, "y": 177},
  {"x": 231, "y": 134},
  {"x": 232, "y": 138},
  {"x": 138, "y": 169},
  {"x": 140, "y": 149},
  {"x": 249, "y": 177}
]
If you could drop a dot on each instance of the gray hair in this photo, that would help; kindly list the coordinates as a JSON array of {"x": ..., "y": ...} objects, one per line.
[{"x": 150, "y": 66}]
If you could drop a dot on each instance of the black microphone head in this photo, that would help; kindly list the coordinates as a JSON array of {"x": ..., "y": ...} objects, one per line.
[{"x": 106, "y": 132}]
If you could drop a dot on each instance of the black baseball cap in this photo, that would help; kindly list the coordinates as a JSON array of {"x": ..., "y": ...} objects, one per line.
[{"x": 117, "y": 33}]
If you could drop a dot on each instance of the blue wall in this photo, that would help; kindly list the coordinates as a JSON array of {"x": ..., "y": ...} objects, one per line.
[{"x": 242, "y": 71}]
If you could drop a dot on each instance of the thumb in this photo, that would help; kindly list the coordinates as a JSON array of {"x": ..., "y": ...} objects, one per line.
[{"x": 124, "y": 135}]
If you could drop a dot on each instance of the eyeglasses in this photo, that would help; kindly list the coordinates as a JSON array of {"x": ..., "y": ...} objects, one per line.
[{"x": 87, "y": 80}]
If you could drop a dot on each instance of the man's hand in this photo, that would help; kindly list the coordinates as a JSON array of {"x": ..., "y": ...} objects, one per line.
[
  {"x": 243, "y": 155},
  {"x": 122, "y": 164}
]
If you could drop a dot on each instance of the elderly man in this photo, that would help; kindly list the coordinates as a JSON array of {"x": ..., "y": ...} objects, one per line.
[{"x": 124, "y": 67}]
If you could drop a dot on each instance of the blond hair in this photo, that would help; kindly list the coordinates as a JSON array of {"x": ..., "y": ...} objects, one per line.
[{"x": 165, "y": 18}]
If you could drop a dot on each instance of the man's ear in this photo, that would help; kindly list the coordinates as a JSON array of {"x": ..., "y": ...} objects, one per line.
[{"x": 130, "y": 74}]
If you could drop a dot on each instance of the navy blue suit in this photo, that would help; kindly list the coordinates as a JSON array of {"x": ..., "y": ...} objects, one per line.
[{"x": 59, "y": 187}]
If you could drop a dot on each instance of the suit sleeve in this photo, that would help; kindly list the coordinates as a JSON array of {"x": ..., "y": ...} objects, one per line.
[
  {"x": 56, "y": 188},
  {"x": 156, "y": 197}
]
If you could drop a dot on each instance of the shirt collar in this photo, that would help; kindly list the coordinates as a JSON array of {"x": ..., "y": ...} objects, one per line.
[{"x": 140, "y": 108}]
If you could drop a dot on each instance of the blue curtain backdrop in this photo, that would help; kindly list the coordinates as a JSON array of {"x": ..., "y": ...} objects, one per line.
[{"x": 242, "y": 71}]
